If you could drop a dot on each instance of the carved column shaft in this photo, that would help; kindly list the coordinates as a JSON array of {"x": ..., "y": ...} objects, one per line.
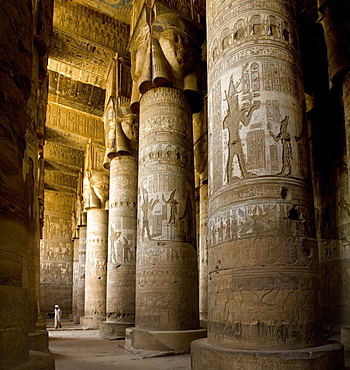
[
  {"x": 260, "y": 205},
  {"x": 203, "y": 252},
  {"x": 122, "y": 242},
  {"x": 200, "y": 136},
  {"x": 263, "y": 257},
  {"x": 95, "y": 270},
  {"x": 166, "y": 293},
  {"x": 81, "y": 275},
  {"x": 75, "y": 279}
]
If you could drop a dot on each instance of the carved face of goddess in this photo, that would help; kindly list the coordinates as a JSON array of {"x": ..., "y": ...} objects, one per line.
[
  {"x": 178, "y": 51},
  {"x": 130, "y": 127}
]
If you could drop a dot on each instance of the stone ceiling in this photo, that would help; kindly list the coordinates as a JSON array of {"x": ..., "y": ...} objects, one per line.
[{"x": 87, "y": 35}]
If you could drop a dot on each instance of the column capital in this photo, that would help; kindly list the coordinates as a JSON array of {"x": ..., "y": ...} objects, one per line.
[{"x": 165, "y": 50}]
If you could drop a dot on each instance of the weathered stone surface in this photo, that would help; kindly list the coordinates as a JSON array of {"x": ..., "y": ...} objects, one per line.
[
  {"x": 23, "y": 96},
  {"x": 162, "y": 343},
  {"x": 326, "y": 357},
  {"x": 56, "y": 256},
  {"x": 166, "y": 255}
]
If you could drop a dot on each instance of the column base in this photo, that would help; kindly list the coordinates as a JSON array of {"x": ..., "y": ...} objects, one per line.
[
  {"x": 329, "y": 356},
  {"x": 91, "y": 322},
  {"x": 114, "y": 330},
  {"x": 39, "y": 341},
  {"x": 76, "y": 319},
  {"x": 38, "y": 361},
  {"x": 345, "y": 337},
  {"x": 152, "y": 343}
]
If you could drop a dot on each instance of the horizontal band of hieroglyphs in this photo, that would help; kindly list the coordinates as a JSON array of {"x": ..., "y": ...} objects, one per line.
[
  {"x": 216, "y": 10},
  {"x": 168, "y": 277},
  {"x": 166, "y": 256},
  {"x": 88, "y": 23},
  {"x": 292, "y": 190},
  {"x": 269, "y": 251},
  {"x": 283, "y": 281}
]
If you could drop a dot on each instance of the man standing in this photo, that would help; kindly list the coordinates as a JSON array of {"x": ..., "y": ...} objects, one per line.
[{"x": 58, "y": 315}]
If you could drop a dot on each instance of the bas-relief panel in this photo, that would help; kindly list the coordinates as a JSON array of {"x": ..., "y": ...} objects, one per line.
[
  {"x": 79, "y": 52},
  {"x": 165, "y": 209},
  {"x": 56, "y": 251},
  {"x": 78, "y": 72},
  {"x": 59, "y": 178},
  {"x": 122, "y": 212},
  {"x": 261, "y": 130},
  {"x": 66, "y": 87},
  {"x": 221, "y": 12},
  {"x": 63, "y": 154},
  {"x": 75, "y": 122},
  {"x": 91, "y": 24}
]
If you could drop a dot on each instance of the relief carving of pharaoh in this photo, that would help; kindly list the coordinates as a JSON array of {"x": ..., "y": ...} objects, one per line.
[{"x": 166, "y": 53}]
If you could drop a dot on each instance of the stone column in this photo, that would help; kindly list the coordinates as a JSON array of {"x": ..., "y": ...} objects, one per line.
[
  {"x": 166, "y": 310},
  {"x": 76, "y": 244},
  {"x": 201, "y": 168},
  {"x": 334, "y": 17},
  {"x": 81, "y": 276},
  {"x": 95, "y": 273},
  {"x": 345, "y": 330},
  {"x": 122, "y": 224},
  {"x": 95, "y": 202},
  {"x": 263, "y": 258}
]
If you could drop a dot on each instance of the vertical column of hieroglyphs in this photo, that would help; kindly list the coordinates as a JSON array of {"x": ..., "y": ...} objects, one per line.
[
  {"x": 263, "y": 264},
  {"x": 200, "y": 138},
  {"x": 122, "y": 221},
  {"x": 95, "y": 199},
  {"x": 165, "y": 58}
]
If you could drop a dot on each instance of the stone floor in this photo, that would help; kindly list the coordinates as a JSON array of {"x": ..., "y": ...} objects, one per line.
[{"x": 76, "y": 349}]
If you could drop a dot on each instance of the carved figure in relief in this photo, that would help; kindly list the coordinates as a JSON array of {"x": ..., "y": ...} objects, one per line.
[
  {"x": 344, "y": 205},
  {"x": 285, "y": 138},
  {"x": 128, "y": 253},
  {"x": 173, "y": 206},
  {"x": 115, "y": 235},
  {"x": 234, "y": 117},
  {"x": 146, "y": 206}
]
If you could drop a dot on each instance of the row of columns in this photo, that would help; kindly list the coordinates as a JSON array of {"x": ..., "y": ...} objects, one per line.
[{"x": 262, "y": 269}]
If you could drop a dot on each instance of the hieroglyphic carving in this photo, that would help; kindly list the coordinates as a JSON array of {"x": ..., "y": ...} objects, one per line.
[
  {"x": 287, "y": 67},
  {"x": 166, "y": 213},
  {"x": 74, "y": 121},
  {"x": 60, "y": 178},
  {"x": 216, "y": 135},
  {"x": 261, "y": 223},
  {"x": 232, "y": 121},
  {"x": 77, "y": 51},
  {"x": 88, "y": 75},
  {"x": 63, "y": 154},
  {"x": 91, "y": 24},
  {"x": 65, "y": 87}
]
